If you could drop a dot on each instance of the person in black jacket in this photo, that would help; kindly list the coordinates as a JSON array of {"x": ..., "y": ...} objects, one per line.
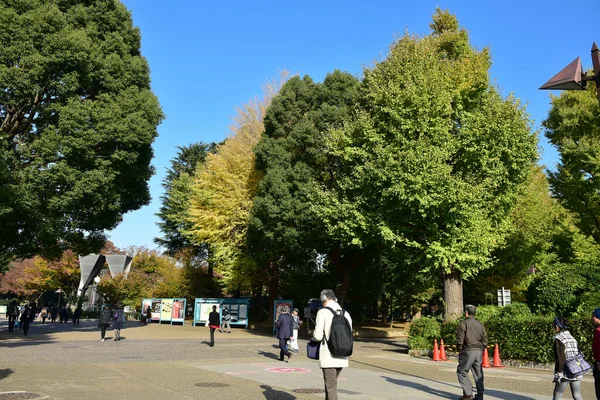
[
  {"x": 471, "y": 340},
  {"x": 213, "y": 323},
  {"x": 285, "y": 330}
]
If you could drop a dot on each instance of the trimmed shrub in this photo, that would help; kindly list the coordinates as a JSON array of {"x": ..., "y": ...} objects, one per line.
[
  {"x": 513, "y": 310},
  {"x": 422, "y": 332}
]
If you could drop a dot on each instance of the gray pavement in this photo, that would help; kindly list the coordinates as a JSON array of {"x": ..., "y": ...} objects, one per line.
[{"x": 173, "y": 362}]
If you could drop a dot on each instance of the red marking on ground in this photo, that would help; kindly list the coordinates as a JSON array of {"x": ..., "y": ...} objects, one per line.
[{"x": 289, "y": 370}]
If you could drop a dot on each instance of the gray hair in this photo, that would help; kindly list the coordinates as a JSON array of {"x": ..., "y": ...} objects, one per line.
[
  {"x": 327, "y": 294},
  {"x": 470, "y": 309}
]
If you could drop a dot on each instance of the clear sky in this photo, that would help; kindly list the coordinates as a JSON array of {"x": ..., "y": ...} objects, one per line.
[{"x": 207, "y": 57}]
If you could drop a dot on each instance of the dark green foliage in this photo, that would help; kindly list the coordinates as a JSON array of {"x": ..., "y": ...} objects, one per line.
[
  {"x": 77, "y": 119},
  {"x": 515, "y": 309},
  {"x": 283, "y": 231},
  {"x": 176, "y": 200},
  {"x": 422, "y": 333},
  {"x": 573, "y": 127},
  {"x": 557, "y": 290}
]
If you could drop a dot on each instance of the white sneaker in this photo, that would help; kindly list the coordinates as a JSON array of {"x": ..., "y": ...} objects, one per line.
[{"x": 103, "y": 340}]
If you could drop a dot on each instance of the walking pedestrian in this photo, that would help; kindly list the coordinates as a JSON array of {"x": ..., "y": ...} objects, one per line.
[
  {"x": 565, "y": 347},
  {"x": 106, "y": 316},
  {"x": 213, "y": 323},
  {"x": 77, "y": 315},
  {"x": 26, "y": 319},
  {"x": 294, "y": 340},
  {"x": 330, "y": 364},
  {"x": 471, "y": 340},
  {"x": 53, "y": 313},
  {"x": 226, "y": 319},
  {"x": 44, "y": 314},
  {"x": 118, "y": 320},
  {"x": 148, "y": 314},
  {"x": 285, "y": 330},
  {"x": 596, "y": 351},
  {"x": 63, "y": 314},
  {"x": 12, "y": 313}
]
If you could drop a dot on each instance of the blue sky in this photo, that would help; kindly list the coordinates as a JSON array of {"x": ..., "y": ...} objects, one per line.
[{"x": 208, "y": 57}]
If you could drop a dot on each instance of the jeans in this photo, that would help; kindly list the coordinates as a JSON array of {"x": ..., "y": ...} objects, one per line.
[
  {"x": 103, "y": 330},
  {"x": 212, "y": 336},
  {"x": 225, "y": 322},
  {"x": 560, "y": 387}
]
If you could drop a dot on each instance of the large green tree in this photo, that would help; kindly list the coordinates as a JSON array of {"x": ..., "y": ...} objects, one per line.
[
  {"x": 283, "y": 230},
  {"x": 573, "y": 127},
  {"x": 177, "y": 183},
  {"x": 77, "y": 121},
  {"x": 434, "y": 159}
]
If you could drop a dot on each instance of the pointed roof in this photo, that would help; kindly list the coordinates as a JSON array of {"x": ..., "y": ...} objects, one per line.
[{"x": 569, "y": 78}]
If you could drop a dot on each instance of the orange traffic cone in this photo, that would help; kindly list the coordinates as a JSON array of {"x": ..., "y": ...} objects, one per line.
[
  {"x": 436, "y": 352},
  {"x": 485, "y": 363},
  {"x": 497, "y": 363},
  {"x": 442, "y": 351}
]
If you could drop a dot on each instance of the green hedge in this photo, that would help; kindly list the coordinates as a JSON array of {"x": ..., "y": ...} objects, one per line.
[{"x": 520, "y": 337}]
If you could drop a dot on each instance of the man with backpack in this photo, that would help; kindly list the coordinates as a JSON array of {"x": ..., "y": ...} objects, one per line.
[{"x": 334, "y": 330}]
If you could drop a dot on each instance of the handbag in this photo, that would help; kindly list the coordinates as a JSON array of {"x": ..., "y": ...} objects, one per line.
[
  {"x": 313, "y": 349},
  {"x": 576, "y": 366}
]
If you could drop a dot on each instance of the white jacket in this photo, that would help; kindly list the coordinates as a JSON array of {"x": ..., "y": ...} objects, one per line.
[{"x": 323, "y": 329}]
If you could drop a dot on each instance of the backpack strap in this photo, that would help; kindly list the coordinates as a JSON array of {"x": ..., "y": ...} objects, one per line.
[{"x": 334, "y": 312}]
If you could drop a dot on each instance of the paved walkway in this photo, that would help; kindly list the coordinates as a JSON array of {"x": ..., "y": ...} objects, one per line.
[{"x": 173, "y": 362}]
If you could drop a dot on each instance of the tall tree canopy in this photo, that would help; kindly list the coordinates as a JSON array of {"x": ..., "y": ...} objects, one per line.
[
  {"x": 434, "y": 159},
  {"x": 573, "y": 127},
  {"x": 176, "y": 200},
  {"x": 77, "y": 121},
  {"x": 223, "y": 189},
  {"x": 292, "y": 155}
]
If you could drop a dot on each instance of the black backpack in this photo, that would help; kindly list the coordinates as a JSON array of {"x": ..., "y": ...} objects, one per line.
[{"x": 340, "y": 338}]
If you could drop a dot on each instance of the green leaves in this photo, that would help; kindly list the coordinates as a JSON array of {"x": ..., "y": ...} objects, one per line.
[{"x": 78, "y": 121}]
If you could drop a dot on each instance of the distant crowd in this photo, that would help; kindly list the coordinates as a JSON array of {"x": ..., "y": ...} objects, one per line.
[{"x": 21, "y": 316}]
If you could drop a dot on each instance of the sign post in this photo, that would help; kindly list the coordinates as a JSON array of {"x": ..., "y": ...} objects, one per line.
[{"x": 503, "y": 297}]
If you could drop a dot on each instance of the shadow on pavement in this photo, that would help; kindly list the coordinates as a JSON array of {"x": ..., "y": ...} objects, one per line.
[
  {"x": 4, "y": 373},
  {"x": 268, "y": 355},
  {"x": 272, "y": 394},
  {"x": 421, "y": 388},
  {"x": 504, "y": 395}
]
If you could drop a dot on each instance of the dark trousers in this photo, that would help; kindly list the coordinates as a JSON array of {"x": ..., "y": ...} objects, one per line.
[
  {"x": 25, "y": 323},
  {"x": 470, "y": 360},
  {"x": 597, "y": 380},
  {"x": 284, "y": 349},
  {"x": 75, "y": 321},
  {"x": 11, "y": 323},
  {"x": 330, "y": 376},
  {"x": 103, "y": 330},
  {"x": 212, "y": 336}
]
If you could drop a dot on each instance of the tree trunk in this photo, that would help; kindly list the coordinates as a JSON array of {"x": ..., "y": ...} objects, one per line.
[
  {"x": 273, "y": 285},
  {"x": 345, "y": 263},
  {"x": 453, "y": 295}
]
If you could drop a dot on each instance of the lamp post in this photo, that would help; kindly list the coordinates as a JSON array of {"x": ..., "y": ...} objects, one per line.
[
  {"x": 96, "y": 281},
  {"x": 59, "y": 291},
  {"x": 573, "y": 78}
]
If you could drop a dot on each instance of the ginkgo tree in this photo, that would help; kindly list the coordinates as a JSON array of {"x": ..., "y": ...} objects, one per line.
[
  {"x": 222, "y": 193},
  {"x": 433, "y": 159}
]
